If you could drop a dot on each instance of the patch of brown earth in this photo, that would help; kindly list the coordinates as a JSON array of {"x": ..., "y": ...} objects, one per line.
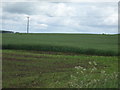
[{"x": 18, "y": 55}]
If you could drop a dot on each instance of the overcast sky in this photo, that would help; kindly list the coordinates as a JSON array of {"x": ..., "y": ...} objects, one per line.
[{"x": 71, "y": 16}]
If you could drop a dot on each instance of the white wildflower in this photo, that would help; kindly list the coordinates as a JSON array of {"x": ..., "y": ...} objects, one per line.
[
  {"x": 78, "y": 67},
  {"x": 77, "y": 72},
  {"x": 71, "y": 76},
  {"x": 81, "y": 71},
  {"x": 95, "y": 63},
  {"x": 90, "y": 63},
  {"x": 84, "y": 69},
  {"x": 95, "y": 80},
  {"x": 102, "y": 72}
]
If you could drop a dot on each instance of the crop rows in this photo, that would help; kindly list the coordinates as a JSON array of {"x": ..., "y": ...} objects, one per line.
[
  {"x": 28, "y": 69},
  {"x": 105, "y": 45}
]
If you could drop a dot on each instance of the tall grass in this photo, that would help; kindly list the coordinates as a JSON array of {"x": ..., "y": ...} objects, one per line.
[{"x": 61, "y": 49}]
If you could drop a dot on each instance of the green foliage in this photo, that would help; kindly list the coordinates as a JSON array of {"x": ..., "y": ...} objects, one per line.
[
  {"x": 26, "y": 65},
  {"x": 89, "y": 80},
  {"x": 106, "y": 45},
  {"x": 29, "y": 69}
]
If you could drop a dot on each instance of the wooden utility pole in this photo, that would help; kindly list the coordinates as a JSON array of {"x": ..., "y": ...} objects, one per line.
[{"x": 28, "y": 25}]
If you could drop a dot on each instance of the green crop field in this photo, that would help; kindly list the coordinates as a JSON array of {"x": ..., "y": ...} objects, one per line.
[
  {"x": 59, "y": 61},
  {"x": 91, "y": 44}
]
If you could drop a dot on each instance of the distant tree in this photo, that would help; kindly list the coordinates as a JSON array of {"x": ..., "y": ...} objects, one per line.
[
  {"x": 4, "y": 31},
  {"x": 16, "y": 32}
]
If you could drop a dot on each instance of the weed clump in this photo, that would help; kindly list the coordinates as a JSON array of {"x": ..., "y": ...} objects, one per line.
[{"x": 84, "y": 78}]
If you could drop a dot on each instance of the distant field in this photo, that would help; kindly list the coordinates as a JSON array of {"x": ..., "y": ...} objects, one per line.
[
  {"x": 90, "y": 44},
  {"x": 36, "y": 69}
]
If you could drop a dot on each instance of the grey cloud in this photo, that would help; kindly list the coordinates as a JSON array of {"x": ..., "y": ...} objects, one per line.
[
  {"x": 73, "y": 17},
  {"x": 19, "y": 8}
]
